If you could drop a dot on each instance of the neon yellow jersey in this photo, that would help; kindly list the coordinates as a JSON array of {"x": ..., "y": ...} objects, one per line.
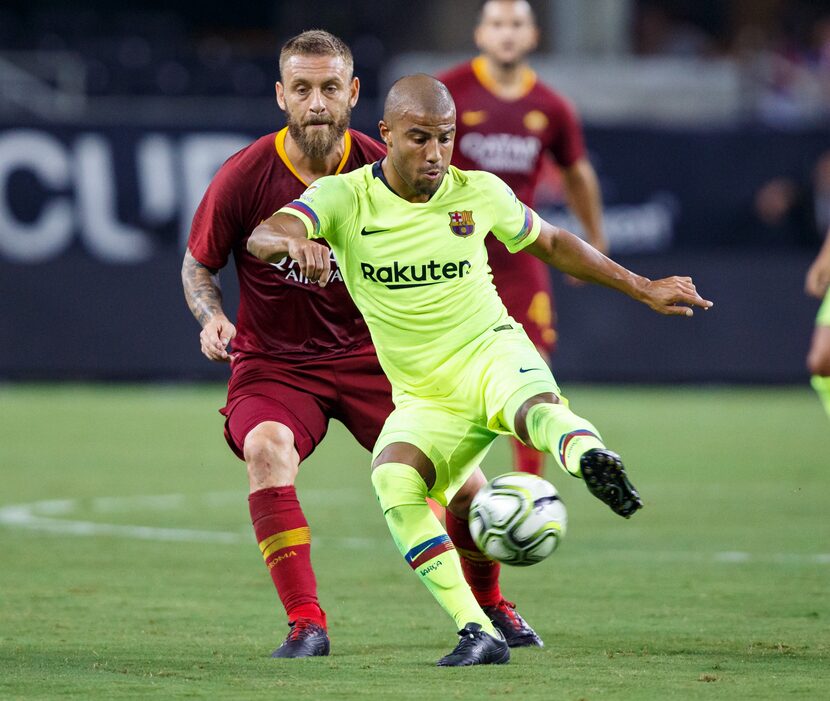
[{"x": 418, "y": 271}]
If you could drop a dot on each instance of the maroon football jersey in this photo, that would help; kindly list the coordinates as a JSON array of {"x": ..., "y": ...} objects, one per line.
[
  {"x": 281, "y": 314},
  {"x": 511, "y": 138}
]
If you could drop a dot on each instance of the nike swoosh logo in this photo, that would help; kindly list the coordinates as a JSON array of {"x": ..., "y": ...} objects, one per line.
[
  {"x": 365, "y": 232},
  {"x": 528, "y": 369}
]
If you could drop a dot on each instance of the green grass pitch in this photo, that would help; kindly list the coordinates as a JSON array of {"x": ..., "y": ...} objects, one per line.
[{"x": 128, "y": 568}]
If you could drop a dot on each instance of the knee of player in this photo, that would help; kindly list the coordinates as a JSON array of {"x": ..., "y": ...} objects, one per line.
[
  {"x": 270, "y": 454},
  {"x": 520, "y": 418},
  {"x": 397, "y": 484}
]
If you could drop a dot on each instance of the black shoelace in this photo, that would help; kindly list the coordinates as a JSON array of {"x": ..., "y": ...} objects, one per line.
[{"x": 468, "y": 639}]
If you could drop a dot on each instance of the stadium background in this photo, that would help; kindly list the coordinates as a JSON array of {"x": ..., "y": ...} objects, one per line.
[
  {"x": 112, "y": 121},
  {"x": 705, "y": 120}
]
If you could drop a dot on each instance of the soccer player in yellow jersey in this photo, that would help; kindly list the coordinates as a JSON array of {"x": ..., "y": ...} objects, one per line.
[
  {"x": 817, "y": 284},
  {"x": 408, "y": 233},
  {"x": 510, "y": 123}
]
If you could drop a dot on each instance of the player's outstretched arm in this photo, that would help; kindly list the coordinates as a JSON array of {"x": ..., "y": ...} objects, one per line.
[
  {"x": 204, "y": 297},
  {"x": 284, "y": 235},
  {"x": 818, "y": 275},
  {"x": 568, "y": 253}
]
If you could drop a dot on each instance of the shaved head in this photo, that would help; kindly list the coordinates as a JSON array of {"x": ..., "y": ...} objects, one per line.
[
  {"x": 418, "y": 128},
  {"x": 419, "y": 94}
]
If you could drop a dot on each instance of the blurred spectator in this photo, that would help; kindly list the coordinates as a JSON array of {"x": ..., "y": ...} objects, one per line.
[
  {"x": 677, "y": 28},
  {"x": 792, "y": 65},
  {"x": 215, "y": 49},
  {"x": 789, "y": 210}
]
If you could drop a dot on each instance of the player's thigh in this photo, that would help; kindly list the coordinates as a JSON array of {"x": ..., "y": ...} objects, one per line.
[
  {"x": 364, "y": 397},
  {"x": 455, "y": 444},
  {"x": 299, "y": 411},
  {"x": 511, "y": 371}
]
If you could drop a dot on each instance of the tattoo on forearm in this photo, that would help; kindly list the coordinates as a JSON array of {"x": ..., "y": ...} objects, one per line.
[{"x": 201, "y": 290}]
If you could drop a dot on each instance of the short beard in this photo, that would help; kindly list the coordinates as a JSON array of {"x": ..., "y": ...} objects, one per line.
[
  {"x": 429, "y": 188},
  {"x": 322, "y": 142},
  {"x": 424, "y": 187}
]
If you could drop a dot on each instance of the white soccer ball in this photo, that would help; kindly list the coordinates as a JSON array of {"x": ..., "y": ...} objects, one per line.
[{"x": 518, "y": 519}]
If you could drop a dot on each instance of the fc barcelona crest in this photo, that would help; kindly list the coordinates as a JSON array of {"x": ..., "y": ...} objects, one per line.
[{"x": 462, "y": 224}]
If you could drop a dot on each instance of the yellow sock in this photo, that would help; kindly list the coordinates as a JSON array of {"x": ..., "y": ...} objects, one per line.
[
  {"x": 555, "y": 429},
  {"x": 424, "y": 543}
]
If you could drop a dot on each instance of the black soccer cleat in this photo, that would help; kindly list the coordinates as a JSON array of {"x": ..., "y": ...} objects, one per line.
[
  {"x": 514, "y": 628},
  {"x": 476, "y": 647},
  {"x": 306, "y": 639},
  {"x": 605, "y": 478}
]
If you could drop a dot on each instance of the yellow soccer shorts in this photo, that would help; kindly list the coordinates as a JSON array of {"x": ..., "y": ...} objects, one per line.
[
  {"x": 501, "y": 368},
  {"x": 823, "y": 316}
]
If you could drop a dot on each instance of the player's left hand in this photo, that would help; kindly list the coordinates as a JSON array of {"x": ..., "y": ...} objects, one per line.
[{"x": 673, "y": 296}]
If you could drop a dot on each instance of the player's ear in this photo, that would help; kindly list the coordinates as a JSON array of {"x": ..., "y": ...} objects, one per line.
[
  {"x": 355, "y": 91},
  {"x": 384, "y": 130},
  {"x": 477, "y": 37},
  {"x": 534, "y": 38},
  {"x": 279, "y": 88}
]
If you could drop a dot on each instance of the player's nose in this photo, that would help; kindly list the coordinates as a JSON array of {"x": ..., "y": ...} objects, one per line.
[
  {"x": 433, "y": 152},
  {"x": 317, "y": 103}
]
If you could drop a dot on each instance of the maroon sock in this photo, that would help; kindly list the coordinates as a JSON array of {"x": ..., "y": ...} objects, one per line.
[
  {"x": 526, "y": 459},
  {"x": 481, "y": 573},
  {"x": 285, "y": 541}
]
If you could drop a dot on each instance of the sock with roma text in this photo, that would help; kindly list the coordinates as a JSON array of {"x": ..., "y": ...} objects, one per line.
[{"x": 285, "y": 541}]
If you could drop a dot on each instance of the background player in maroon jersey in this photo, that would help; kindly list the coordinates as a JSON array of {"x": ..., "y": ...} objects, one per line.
[
  {"x": 301, "y": 354},
  {"x": 508, "y": 123}
]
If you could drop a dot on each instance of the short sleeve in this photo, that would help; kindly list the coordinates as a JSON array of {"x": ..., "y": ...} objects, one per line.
[
  {"x": 515, "y": 224},
  {"x": 567, "y": 145},
  {"x": 218, "y": 222},
  {"x": 325, "y": 207}
]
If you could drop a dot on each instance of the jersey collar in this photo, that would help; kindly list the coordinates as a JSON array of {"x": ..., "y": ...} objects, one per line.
[
  {"x": 279, "y": 144},
  {"x": 377, "y": 172},
  {"x": 479, "y": 66}
]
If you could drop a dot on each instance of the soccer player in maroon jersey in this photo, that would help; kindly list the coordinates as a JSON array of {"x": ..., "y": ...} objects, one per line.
[
  {"x": 508, "y": 122},
  {"x": 301, "y": 354}
]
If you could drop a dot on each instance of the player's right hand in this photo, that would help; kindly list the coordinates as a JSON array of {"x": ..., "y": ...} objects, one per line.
[
  {"x": 312, "y": 258},
  {"x": 215, "y": 337}
]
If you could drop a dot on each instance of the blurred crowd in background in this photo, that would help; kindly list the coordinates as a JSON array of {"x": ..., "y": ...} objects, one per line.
[{"x": 781, "y": 48}]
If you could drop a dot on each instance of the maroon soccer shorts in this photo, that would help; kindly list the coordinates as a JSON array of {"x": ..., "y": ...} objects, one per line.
[{"x": 305, "y": 395}]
